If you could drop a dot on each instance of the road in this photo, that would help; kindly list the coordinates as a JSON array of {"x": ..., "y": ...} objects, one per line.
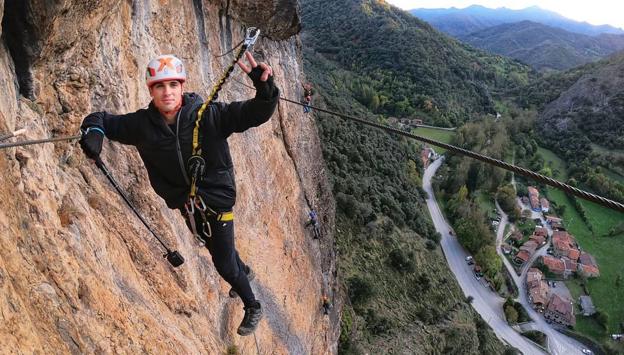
[{"x": 487, "y": 303}]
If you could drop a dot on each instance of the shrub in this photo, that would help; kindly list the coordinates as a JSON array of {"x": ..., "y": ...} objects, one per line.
[{"x": 360, "y": 290}]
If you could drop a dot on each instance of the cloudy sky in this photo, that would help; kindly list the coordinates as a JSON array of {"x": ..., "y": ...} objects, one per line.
[{"x": 596, "y": 12}]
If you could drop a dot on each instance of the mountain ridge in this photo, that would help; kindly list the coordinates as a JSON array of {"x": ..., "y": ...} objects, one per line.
[
  {"x": 457, "y": 22},
  {"x": 544, "y": 47}
]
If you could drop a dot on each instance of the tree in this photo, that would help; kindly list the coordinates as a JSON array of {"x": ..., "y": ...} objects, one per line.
[
  {"x": 511, "y": 314},
  {"x": 489, "y": 260}
]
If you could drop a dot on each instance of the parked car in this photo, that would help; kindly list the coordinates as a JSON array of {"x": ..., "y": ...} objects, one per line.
[
  {"x": 477, "y": 277},
  {"x": 587, "y": 351},
  {"x": 554, "y": 284}
]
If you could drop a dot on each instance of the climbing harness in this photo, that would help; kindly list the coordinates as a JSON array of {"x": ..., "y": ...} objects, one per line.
[
  {"x": 605, "y": 202},
  {"x": 19, "y": 132},
  {"x": 173, "y": 256},
  {"x": 196, "y": 163}
]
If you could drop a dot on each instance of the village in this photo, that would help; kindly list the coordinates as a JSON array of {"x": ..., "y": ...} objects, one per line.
[{"x": 549, "y": 254}]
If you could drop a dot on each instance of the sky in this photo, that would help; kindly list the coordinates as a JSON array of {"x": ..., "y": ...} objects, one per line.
[{"x": 596, "y": 12}]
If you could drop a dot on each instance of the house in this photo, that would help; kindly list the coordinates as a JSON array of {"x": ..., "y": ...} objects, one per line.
[
  {"x": 554, "y": 265},
  {"x": 565, "y": 245},
  {"x": 427, "y": 156},
  {"x": 587, "y": 265},
  {"x": 538, "y": 295},
  {"x": 530, "y": 246},
  {"x": 522, "y": 257},
  {"x": 541, "y": 231},
  {"x": 552, "y": 219},
  {"x": 417, "y": 121},
  {"x": 560, "y": 311},
  {"x": 587, "y": 306},
  {"x": 392, "y": 121},
  {"x": 538, "y": 239},
  {"x": 557, "y": 226},
  {"x": 533, "y": 278},
  {"x": 534, "y": 199},
  {"x": 545, "y": 205}
]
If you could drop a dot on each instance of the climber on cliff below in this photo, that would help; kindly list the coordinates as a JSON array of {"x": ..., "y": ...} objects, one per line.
[{"x": 164, "y": 137}]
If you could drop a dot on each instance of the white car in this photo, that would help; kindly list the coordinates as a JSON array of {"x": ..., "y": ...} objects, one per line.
[{"x": 587, "y": 351}]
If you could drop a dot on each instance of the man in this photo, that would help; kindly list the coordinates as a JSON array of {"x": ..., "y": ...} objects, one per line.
[
  {"x": 163, "y": 134},
  {"x": 307, "y": 97},
  {"x": 313, "y": 221}
]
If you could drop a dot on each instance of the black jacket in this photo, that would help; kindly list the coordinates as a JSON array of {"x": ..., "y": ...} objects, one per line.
[{"x": 156, "y": 142}]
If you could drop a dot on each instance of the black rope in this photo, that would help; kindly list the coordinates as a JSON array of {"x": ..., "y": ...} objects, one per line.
[
  {"x": 231, "y": 50},
  {"x": 100, "y": 164},
  {"x": 39, "y": 141},
  {"x": 614, "y": 205}
]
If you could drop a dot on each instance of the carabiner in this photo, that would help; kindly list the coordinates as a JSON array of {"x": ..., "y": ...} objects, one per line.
[{"x": 251, "y": 36}]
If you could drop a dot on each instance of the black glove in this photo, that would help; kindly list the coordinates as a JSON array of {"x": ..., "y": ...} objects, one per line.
[
  {"x": 91, "y": 142},
  {"x": 264, "y": 89}
]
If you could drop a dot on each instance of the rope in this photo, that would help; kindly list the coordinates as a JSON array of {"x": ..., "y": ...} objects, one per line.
[
  {"x": 257, "y": 347},
  {"x": 231, "y": 50},
  {"x": 100, "y": 164},
  {"x": 39, "y": 141},
  {"x": 614, "y": 205}
]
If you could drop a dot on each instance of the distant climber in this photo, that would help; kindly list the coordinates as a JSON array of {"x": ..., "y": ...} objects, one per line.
[
  {"x": 163, "y": 134},
  {"x": 313, "y": 221},
  {"x": 307, "y": 97},
  {"x": 326, "y": 305}
]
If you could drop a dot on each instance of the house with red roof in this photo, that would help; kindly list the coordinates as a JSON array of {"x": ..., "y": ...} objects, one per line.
[
  {"x": 587, "y": 265},
  {"x": 560, "y": 311}
]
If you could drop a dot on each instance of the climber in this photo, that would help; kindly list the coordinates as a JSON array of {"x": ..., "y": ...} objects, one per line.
[
  {"x": 313, "y": 221},
  {"x": 326, "y": 305},
  {"x": 307, "y": 97},
  {"x": 163, "y": 134}
]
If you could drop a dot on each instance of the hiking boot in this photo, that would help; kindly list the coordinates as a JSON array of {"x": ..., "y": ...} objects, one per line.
[
  {"x": 253, "y": 315},
  {"x": 250, "y": 276}
]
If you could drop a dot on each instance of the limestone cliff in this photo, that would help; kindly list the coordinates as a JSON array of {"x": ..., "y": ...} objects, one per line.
[{"x": 78, "y": 271}]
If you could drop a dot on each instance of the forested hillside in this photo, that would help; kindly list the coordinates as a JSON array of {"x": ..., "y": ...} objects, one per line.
[
  {"x": 401, "y": 66},
  {"x": 582, "y": 119},
  {"x": 375, "y": 62}
]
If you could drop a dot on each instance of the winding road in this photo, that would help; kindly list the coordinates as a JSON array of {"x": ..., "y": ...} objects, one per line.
[{"x": 487, "y": 303}]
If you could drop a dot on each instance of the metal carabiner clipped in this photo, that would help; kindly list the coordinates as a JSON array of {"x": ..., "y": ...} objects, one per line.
[{"x": 251, "y": 37}]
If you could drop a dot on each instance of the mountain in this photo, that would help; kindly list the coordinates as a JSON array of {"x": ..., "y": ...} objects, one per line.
[
  {"x": 372, "y": 60},
  {"x": 391, "y": 54},
  {"x": 459, "y": 22},
  {"x": 581, "y": 117},
  {"x": 544, "y": 47},
  {"x": 592, "y": 107}
]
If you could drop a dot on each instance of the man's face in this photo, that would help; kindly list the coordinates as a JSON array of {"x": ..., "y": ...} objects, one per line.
[{"x": 167, "y": 95}]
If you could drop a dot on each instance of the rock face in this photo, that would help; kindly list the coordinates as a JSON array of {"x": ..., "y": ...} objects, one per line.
[{"x": 79, "y": 273}]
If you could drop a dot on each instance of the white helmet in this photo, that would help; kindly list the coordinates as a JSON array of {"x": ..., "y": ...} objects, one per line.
[{"x": 163, "y": 68}]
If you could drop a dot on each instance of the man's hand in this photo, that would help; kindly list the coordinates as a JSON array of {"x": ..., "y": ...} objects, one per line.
[
  {"x": 261, "y": 74},
  {"x": 91, "y": 142}
]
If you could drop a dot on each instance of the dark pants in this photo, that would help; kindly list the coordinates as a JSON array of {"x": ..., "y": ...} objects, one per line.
[{"x": 225, "y": 258}]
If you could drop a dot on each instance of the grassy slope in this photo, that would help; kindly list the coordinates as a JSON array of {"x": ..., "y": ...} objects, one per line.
[{"x": 441, "y": 135}]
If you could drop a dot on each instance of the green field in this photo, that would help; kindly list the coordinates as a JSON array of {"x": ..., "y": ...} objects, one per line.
[
  {"x": 555, "y": 163},
  {"x": 441, "y": 135},
  {"x": 608, "y": 251},
  {"x": 486, "y": 203}
]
